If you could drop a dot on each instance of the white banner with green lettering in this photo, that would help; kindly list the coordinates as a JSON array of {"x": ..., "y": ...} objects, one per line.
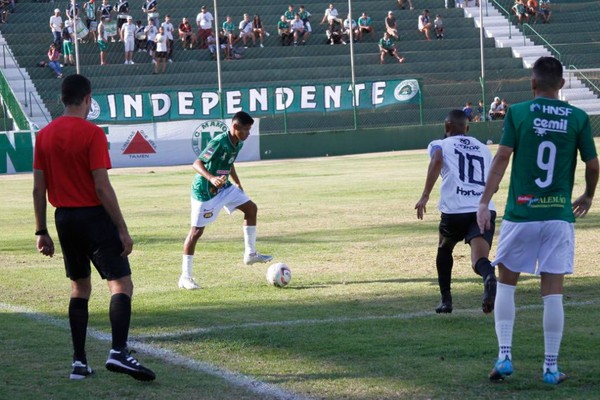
[{"x": 174, "y": 105}]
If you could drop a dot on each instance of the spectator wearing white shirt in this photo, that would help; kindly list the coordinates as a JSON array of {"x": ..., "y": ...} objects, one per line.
[
  {"x": 350, "y": 26},
  {"x": 299, "y": 30},
  {"x": 127, "y": 34},
  {"x": 56, "y": 27},
  {"x": 204, "y": 21},
  {"x": 331, "y": 14},
  {"x": 168, "y": 28},
  {"x": 246, "y": 31}
]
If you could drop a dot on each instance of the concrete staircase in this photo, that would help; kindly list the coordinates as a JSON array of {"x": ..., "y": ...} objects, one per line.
[
  {"x": 23, "y": 88},
  {"x": 497, "y": 26}
]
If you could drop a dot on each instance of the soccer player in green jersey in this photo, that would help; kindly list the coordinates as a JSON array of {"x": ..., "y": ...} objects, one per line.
[
  {"x": 213, "y": 190},
  {"x": 537, "y": 233}
]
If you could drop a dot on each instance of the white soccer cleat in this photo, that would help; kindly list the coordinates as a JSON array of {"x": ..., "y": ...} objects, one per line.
[
  {"x": 250, "y": 259},
  {"x": 187, "y": 282}
]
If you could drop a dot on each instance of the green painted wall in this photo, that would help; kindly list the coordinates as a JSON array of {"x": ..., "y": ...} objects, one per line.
[{"x": 337, "y": 143}]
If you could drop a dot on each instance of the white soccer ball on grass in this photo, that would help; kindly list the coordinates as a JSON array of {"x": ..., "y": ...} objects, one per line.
[{"x": 279, "y": 275}]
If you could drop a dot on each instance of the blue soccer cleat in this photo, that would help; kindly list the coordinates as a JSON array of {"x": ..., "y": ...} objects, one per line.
[
  {"x": 554, "y": 378},
  {"x": 502, "y": 369}
]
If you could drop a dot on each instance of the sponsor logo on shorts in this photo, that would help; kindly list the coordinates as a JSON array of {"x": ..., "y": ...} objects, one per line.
[{"x": 207, "y": 215}]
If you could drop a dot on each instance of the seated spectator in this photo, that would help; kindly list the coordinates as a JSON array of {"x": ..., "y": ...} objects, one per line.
[
  {"x": 246, "y": 31},
  {"x": 285, "y": 32},
  {"x": 424, "y": 24},
  {"x": 468, "y": 110},
  {"x": 331, "y": 14},
  {"x": 290, "y": 14},
  {"x": 305, "y": 17},
  {"x": 391, "y": 25},
  {"x": 5, "y": 10},
  {"x": 519, "y": 9},
  {"x": 401, "y": 4},
  {"x": 229, "y": 31},
  {"x": 258, "y": 29},
  {"x": 438, "y": 25},
  {"x": 532, "y": 10},
  {"x": 365, "y": 26},
  {"x": 186, "y": 35},
  {"x": 387, "y": 46},
  {"x": 545, "y": 11},
  {"x": 299, "y": 30},
  {"x": 350, "y": 26},
  {"x": 334, "y": 33},
  {"x": 54, "y": 60},
  {"x": 479, "y": 115},
  {"x": 497, "y": 110}
]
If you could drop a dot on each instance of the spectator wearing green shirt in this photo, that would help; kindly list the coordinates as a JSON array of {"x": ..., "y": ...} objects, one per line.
[
  {"x": 290, "y": 14},
  {"x": 365, "y": 25},
  {"x": 285, "y": 32},
  {"x": 387, "y": 46},
  {"x": 229, "y": 31}
]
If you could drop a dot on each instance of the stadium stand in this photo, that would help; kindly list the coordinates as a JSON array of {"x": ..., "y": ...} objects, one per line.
[{"x": 449, "y": 69}]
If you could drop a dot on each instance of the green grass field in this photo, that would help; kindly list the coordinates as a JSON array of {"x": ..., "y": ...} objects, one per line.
[{"x": 356, "y": 322}]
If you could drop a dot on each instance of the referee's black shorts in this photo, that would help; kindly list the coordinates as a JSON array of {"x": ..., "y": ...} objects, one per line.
[{"x": 88, "y": 234}]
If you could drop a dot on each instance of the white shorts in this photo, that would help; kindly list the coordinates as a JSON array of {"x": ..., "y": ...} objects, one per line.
[
  {"x": 206, "y": 212},
  {"x": 537, "y": 247},
  {"x": 129, "y": 44}
]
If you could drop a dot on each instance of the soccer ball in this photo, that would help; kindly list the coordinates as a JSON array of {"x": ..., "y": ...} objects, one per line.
[{"x": 279, "y": 275}]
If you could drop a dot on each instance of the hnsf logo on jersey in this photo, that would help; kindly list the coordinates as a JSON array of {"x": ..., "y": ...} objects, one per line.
[
  {"x": 542, "y": 126},
  {"x": 552, "y": 110}
]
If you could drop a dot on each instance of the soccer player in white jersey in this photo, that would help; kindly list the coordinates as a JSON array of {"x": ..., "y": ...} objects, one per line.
[
  {"x": 463, "y": 162},
  {"x": 537, "y": 236}
]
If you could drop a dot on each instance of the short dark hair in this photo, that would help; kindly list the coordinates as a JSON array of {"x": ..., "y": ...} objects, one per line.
[
  {"x": 548, "y": 73},
  {"x": 457, "y": 117},
  {"x": 242, "y": 118},
  {"x": 74, "y": 89}
]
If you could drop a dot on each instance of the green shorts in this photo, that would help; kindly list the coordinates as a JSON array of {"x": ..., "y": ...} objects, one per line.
[
  {"x": 102, "y": 45},
  {"x": 67, "y": 48}
]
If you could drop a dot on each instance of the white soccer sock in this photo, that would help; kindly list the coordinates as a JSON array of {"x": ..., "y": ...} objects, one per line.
[
  {"x": 504, "y": 317},
  {"x": 554, "y": 322},
  {"x": 187, "y": 264},
  {"x": 250, "y": 239}
]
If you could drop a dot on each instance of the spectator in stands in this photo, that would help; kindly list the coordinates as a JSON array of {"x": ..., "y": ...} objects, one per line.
[
  {"x": 72, "y": 12},
  {"x": 298, "y": 30},
  {"x": 127, "y": 35},
  {"x": 151, "y": 31},
  {"x": 391, "y": 25},
  {"x": 459, "y": 4},
  {"x": 387, "y": 46},
  {"x": 246, "y": 31},
  {"x": 290, "y": 14},
  {"x": 545, "y": 11},
  {"x": 5, "y": 10},
  {"x": 161, "y": 50},
  {"x": 91, "y": 22},
  {"x": 497, "y": 110},
  {"x": 401, "y": 4},
  {"x": 519, "y": 9},
  {"x": 284, "y": 31},
  {"x": 229, "y": 32},
  {"x": 365, "y": 26},
  {"x": 54, "y": 59},
  {"x": 68, "y": 37},
  {"x": 168, "y": 28},
  {"x": 140, "y": 37},
  {"x": 305, "y": 17},
  {"x": 334, "y": 33},
  {"x": 350, "y": 27},
  {"x": 186, "y": 35},
  {"x": 258, "y": 29},
  {"x": 468, "y": 110},
  {"x": 122, "y": 9},
  {"x": 150, "y": 8},
  {"x": 424, "y": 24},
  {"x": 102, "y": 40},
  {"x": 331, "y": 14},
  {"x": 438, "y": 25},
  {"x": 479, "y": 115},
  {"x": 204, "y": 21},
  {"x": 106, "y": 11},
  {"x": 532, "y": 9},
  {"x": 56, "y": 23}
]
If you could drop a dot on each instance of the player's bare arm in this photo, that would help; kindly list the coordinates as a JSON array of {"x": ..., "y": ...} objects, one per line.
[
  {"x": 45, "y": 245},
  {"x": 433, "y": 172},
  {"x": 234, "y": 177},
  {"x": 582, "y": 204},
  {"x": 497, "y": 170}
]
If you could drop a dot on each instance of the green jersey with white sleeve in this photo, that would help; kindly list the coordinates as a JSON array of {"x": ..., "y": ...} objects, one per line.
[
  {"x": 545, "y": 135},
  {"x": 218, "y": 157}
]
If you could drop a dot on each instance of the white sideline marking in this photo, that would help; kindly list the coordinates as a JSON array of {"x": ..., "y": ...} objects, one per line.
[
  {"x": 253, "y": 385},
  {"x": 338, "y": 320}
]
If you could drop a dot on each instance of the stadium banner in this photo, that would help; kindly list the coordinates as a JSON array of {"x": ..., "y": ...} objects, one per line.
[
  {"x": 140, "y": 145},
  {"x": 170, "y": 105}
]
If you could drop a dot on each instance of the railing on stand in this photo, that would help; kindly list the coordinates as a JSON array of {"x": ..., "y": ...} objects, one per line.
[
  {"x": 508, "y": 14},
  {"x": 558, "y": 56},
  {"x": 574, "y": 70},
  {"x": 32, "y": 97},
  {"x": 5, "y": 50}
]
